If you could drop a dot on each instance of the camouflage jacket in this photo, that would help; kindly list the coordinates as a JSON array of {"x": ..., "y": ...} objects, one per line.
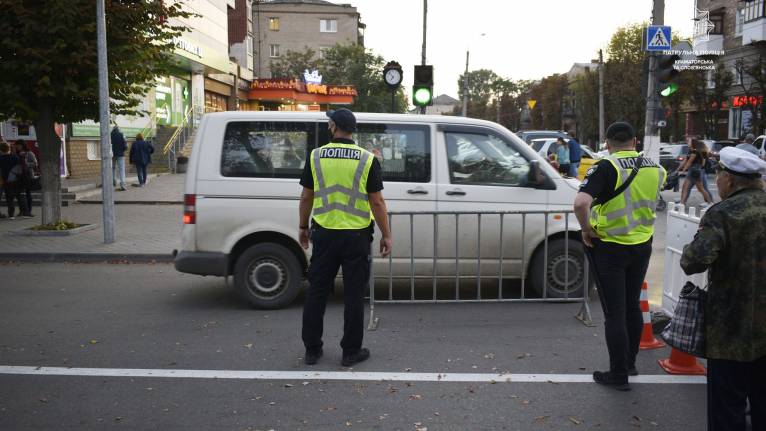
[{"x": 731, "y": 244}]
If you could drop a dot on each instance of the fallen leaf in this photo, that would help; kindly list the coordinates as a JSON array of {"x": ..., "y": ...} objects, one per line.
[
  {"x": 575, "y": 420},
  {"x": 118, "y": 418},
  {"x": 249, "y": 345},
  {"x": 94, "y": 341},
  {"x": 305, "y": 383},
  {"x": 272, "y": 403},
  {"x": 489, "y": 356},
  {"x": 408, "y": 369},
  {"x": 436, "y": 413},
  {"x": 541, "y": 418},
  {"x": 525, "y": 402},
  {"x": 288, "y": 385},
  {"x": 416, "y": 397},
  {"x": 43, "y": 400},
  {"x": 348, "y": 423}
]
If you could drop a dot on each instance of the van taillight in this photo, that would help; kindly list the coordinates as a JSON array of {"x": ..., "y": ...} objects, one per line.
[{"x": 190, "y": 209}]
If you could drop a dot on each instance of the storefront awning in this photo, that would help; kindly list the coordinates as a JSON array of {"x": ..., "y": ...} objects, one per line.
[{"x": 293, "y": 90}]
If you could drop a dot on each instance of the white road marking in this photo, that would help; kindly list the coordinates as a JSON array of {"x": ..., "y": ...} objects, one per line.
[{"x": 335, "y": 375}]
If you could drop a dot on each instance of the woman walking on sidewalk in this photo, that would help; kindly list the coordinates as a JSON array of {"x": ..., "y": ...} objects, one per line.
[
  {"x": 694, "y": 168},
  {"x": 141, "y": 156}
]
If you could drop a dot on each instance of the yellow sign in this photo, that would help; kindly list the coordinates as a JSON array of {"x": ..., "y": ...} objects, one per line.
[{"x": 531, "y": 103}]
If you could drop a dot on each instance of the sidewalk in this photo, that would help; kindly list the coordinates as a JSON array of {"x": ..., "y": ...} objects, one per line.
[{"x": 148, "y": 227}]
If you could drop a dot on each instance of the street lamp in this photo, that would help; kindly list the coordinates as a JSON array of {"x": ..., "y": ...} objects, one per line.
[{"x": 465, "y": 80}]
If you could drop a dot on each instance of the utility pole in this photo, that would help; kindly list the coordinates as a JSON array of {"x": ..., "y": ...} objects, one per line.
[
  {"x": 423, "y": 51},
  {"x": 107, "y": 190},
  {"x": 465, "y": 86},
  {"x": 651, "y": 131},
  {"x": 600, "y": 98}
]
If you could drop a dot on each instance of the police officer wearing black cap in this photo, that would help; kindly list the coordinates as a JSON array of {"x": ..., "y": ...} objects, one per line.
[
  {"x": 616, "y": 209},
  {"x": 342, "y": 187}
]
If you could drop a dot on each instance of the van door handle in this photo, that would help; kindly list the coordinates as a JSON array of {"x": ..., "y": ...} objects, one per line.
[
  {"x": 417, "y": 191},
  {"x": 455, "y": 193}
]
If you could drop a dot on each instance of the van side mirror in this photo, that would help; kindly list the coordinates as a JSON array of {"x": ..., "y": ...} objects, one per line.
[{"x": 537, "y": 178}]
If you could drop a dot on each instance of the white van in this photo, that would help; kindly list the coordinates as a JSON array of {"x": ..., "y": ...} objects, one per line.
[{"x": 241, "y": 201}]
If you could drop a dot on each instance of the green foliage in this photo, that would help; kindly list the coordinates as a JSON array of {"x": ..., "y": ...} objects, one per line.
[
  {"x": 346, "y": 65},
  {"x": 61, "y": 225},
  {"x": 481, "y": 85},
  {"x": 625, "y": 46},
  {"x": 48, "y": 55}
]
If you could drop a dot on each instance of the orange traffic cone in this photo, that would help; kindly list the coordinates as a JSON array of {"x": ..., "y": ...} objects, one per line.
[
  {"x": 647, "y": 335},
  {"x": 682, "y": 363}
]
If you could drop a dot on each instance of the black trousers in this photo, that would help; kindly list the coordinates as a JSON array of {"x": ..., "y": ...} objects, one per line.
[
  {"x": 729, "y": 385},
  {"x": 15, "y": 192},
  {"x": 332, "y": 249},
  {"x": 620, "y": 271}
]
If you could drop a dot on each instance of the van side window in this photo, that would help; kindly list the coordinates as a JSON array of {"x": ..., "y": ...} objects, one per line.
[
  {"x": 485, "y": 159},
  {"x": 266, "y": 149},
  {"x": 404, "y": 151}
]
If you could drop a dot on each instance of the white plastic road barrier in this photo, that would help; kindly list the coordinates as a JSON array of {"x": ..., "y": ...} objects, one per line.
[{"x": 681, "y": 230}]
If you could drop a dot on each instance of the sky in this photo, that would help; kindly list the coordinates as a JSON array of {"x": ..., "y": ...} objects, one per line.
[{"x": 521, "y": 39}]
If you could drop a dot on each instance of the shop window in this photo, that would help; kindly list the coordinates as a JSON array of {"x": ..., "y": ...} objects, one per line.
[
  {"x": 404, "y": 151},
  {"x": 328, "y": 25},
  {"x": 274, "y": 24},
  {"x": 266, "y": 149},
  {"x": 215, "y": 102}
]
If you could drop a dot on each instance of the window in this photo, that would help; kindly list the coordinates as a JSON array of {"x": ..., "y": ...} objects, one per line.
[
  {"x": 328, "y": 25},
  {"x": 753, "y": 10},
  {"x": 710, "y": 78},
  {"x": 404, "y": 151},
  {"x": 215, "y": 102},
  {"x": 739, "y": 21},
  {"x": 736, "y": 75},
  {"x": 274, "y": 51},
  {"x": 717, "y": 21},
  {"x": 274, "y": 24},
  {"x": 485, "y": 159},
  {"x": 266, "y": 149}
]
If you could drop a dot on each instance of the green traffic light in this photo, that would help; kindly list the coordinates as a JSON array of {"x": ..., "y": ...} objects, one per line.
[
  {"x": 670, "y": 89},
  {"x": 422, "y": 96}
]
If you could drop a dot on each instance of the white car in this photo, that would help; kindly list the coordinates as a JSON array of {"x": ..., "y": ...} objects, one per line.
[
  {"x": 241, "y": 201},
  {"x": 760, "y": 145}
]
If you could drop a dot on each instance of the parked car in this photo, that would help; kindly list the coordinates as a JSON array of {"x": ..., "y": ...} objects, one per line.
[
  {"x": 241, "y": 217},
  {"x": 546, "y": 147},
  {"x": 672, "y": 155},
  {"x": 529, "y": 135},
  {"x": 759, "y": 145},
  {"x": 715, "y": 149}
]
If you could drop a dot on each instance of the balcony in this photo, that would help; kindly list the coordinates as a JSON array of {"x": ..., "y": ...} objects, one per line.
[
  {"x": 714, "y": 42},
  {"x": 754, "y": 31}
]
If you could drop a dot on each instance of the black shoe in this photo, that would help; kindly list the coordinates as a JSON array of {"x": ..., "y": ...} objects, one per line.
[
  {"x": 632, "y": 371},
  {"x": 361, "y": 355},
  {"x": 311, "y": 358},
  {"x": 615, "y": 381}
]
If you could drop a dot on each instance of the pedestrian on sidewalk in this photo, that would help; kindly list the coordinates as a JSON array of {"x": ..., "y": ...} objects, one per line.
[
  {"x": 575, "y": 155},
  {"x": 141, "y": 156},
  {"x": 694, "y": 167},
  {"x": 342, "y": 186},
  {"x": 729, "y": 245},
  {"x": 562, "y": 156},
  {"x": 11, "y": 172},
  {"x": 119, "y": 146},
  {"x": 28, "y": 173},
  {"x": 616, "y": 209}
]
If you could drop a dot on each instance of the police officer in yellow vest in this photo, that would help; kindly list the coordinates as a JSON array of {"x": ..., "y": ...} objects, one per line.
[
  {"x": 342, "y": 183},
  {"x": 617, "y": 231}
]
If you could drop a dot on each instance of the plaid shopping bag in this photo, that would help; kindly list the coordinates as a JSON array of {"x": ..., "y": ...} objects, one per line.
[{"x": 686, "y": 330}]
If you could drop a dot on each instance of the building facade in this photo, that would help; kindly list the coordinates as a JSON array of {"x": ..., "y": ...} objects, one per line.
[
  {"x": 294, "y": 25},
  {"x": 737, "y": 30}
]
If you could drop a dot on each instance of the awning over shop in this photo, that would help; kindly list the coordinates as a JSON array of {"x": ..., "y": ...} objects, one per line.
[{"x": 295, "y": 91}]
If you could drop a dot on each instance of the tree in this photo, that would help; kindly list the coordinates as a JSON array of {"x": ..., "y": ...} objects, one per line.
[
  {"x": 347, "y": 65},
  {"x": 480, "y": 89},
  {"x": 48, "y": 64},
  {"x": 584, "y": 93},
  {"x": 624, "y": 72},
  {"x": 710, "y": 101},
  {"x": 752, "y": 80}
]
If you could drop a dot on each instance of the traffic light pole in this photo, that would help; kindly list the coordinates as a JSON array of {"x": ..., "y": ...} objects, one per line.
[
  {"x": 423, "y": 52},
  {"x": 651, "y": 131}
]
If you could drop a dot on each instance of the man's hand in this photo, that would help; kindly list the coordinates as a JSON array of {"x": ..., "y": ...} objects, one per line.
[
  {"x": 588, "y": 234},
  {"x": 304, "y": 238},
  {"x": 385, "y": 246}
]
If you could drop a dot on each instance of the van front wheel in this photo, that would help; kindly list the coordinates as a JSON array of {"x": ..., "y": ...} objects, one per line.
[
  {"x": 268, "y": 275},
  {"x": 560, "y": 265}
]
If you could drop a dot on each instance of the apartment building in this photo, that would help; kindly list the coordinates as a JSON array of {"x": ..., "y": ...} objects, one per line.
[
  {"x": 738, "y": 29},
  {"x": 294, "y": 25}
]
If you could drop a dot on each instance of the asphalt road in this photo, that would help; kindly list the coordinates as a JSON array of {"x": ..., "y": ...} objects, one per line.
[{"x": 100, "y": 322}]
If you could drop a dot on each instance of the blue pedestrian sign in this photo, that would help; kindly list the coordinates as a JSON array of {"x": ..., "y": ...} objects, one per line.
[{"x": 658, "y": 38}]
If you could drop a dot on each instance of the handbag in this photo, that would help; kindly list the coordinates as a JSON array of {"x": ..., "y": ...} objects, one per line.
[{"x": 686, "y": 330}]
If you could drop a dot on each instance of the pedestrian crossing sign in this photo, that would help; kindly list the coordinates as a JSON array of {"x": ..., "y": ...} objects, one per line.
[{"x": 658, "y": 38}]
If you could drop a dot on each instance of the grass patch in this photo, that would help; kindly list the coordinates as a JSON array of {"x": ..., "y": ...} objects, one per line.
[{"x": 62, "y": 225}]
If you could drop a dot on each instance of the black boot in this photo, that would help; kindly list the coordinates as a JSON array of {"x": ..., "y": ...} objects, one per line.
[{"x": 616, "y": 381}]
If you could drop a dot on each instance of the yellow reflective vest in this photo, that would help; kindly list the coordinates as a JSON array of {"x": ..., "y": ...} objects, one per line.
[
  {"x": 340, "y": 174},
  {"x": 629, "y": 217}
]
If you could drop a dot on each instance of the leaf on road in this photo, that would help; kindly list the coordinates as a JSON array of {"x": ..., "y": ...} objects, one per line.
[
  {"x": 249, "y": 345},
  {"x": 94, "y": 341},
  {"x": 523, "y": 356},
  {"x": 541, "y": 418},
  {"x": 416, "y": 397},
  {"x": 348, "y": 423},
  {"x": 43, "y": 400},
  {"x": 525, "y": 402},
  {"x": 489, "y": 356},
  {"x": 305, "y": 383},
  {"x": 575, "y": 420},
  {"x": 288, "y": 385}
]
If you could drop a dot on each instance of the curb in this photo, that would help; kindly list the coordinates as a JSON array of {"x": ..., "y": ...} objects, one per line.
[{"x": 111, "y": 258}]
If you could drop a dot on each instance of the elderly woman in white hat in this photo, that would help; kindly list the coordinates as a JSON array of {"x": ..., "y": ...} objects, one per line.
[{"x": 730, "y": 245}]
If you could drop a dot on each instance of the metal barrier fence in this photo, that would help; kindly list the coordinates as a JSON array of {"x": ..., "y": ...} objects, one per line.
[{"x": 528, "y": 223}]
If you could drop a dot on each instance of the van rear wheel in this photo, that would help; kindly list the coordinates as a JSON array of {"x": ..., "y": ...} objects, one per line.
[
  {"x": 268, "y": 275},
  {"x": 560, "y": 265}
]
